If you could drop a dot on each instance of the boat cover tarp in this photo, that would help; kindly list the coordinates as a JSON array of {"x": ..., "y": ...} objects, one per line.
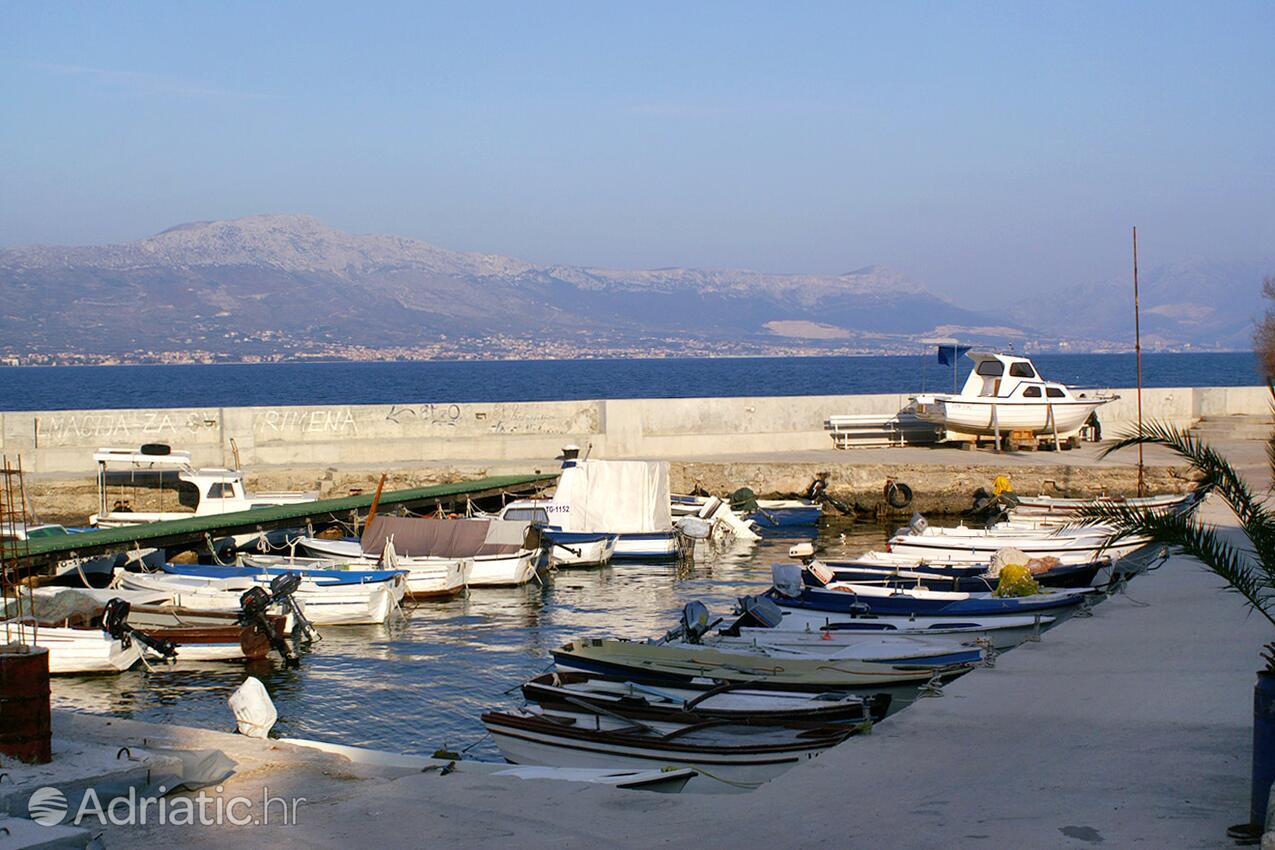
[
  {"x": 416, "y": 537},
  {"x": 617, "y": 496},
  {"x": 73, "y": 604}
]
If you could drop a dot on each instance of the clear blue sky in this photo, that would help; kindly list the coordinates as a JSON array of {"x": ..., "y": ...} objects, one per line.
[{"x": 980, "y": 147}]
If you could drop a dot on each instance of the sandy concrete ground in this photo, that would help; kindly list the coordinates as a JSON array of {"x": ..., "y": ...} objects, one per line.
[{"x": 1130, "y": 728}]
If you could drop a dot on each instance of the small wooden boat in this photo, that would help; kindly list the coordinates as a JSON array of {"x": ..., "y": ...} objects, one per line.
[
  {"x": 487, "y": 552},
  {"x": 1060, "y": 508},
  {"x": 663, "y": 780},
  {"x": 76, "y": 650},
  {"x": 566, "y": 549},
  {"x": 844, "y": 597},
  {"x": 694, "y": 704},
  {"x": 973, "y": 578},
  {"x": 324, "y": 602},
  {"x": 800, "y": 628},
  {"x": 680, "y": 663},
  {"x": 921, "y": 540},
  {"x": 742, "y": 756}
]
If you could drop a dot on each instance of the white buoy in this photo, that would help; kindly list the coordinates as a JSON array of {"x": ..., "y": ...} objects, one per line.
[{"x": 254, "y": 712}]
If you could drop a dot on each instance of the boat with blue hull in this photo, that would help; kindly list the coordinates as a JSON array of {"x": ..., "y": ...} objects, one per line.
[
  {"x": 973, "y": 579},
  {"x": 848, "y": 598},
  {"x": 322, "y": 577}
]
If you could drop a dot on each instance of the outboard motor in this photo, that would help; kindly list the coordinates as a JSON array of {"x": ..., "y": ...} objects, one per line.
[
  {"x": 257, "y": 601},
  {"x": 693, "y": 626},
  {"x": 917, "y": 525},
  {"x": 115, "y": 624},
  {"x": 755, "y": 612},
  {"x": 695, "y": 623},
  {"x": 787, "y": 579}
]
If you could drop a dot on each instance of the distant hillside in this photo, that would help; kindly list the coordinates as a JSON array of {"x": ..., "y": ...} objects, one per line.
[
  {"x": 275, "y": 283},
  {"x": 1204, "y": 303}
]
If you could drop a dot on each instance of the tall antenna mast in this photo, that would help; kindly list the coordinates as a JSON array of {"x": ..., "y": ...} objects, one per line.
[{"x": 1137, "y": 349}]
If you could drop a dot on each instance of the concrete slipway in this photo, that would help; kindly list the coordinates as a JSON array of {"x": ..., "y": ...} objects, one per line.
[{"x": 1131, "y": 728}]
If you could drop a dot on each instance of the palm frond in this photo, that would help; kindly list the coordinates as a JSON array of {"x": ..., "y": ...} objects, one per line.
[
  {"x": 1251, "y": 578},
  {"x": 1218, "y": 476}
]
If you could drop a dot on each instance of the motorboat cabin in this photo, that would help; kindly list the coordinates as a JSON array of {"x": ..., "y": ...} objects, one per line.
[
  {"x": 155, "y": 483},
  {"x": 1005, "y": 393}
]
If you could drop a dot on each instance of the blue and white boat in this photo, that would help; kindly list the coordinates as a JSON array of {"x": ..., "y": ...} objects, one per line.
[
  {"x": 564, "y": 548},
  {"x": 810, "y": 591},
  {"x": 765, "y": 513}
]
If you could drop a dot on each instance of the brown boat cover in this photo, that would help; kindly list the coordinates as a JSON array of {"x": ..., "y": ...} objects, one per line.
[{"x": 415, "y": 537}]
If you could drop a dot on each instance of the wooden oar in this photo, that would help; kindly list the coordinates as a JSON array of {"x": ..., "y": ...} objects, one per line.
[{"x": 371, "y": 511}]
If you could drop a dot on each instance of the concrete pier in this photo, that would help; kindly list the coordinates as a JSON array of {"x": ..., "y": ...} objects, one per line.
[{"x": 774, "y": 445}]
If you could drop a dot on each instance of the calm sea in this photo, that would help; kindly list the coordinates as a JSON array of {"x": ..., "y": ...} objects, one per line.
[
  {"x": 94, "y": 387},
  {"x": 422, "y": 682}
]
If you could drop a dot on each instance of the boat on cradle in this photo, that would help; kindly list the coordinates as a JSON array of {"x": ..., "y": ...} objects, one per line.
[
  {"x": 628, "y": 498},
  {"x": 798, "y": 587},
  {"x": 480, "y": 552},
  {"x": 564, "y": 548},
  {"x": 687, "y": 703},
  {"x": 664, "y": 780},
  {"x": 155, "y": 483},
  {"x": 738, "y": 756},
  {"x": 1005, "y": 394}
]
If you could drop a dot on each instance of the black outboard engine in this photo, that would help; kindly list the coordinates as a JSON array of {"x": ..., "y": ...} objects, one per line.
[
  {"x": 115, "y": 624},
  {"x": 693, "y": 626},
  {"x": 695, "y": 623},
  {"x": 255, "y": 604},
  {"x": 755, "y": 612}
]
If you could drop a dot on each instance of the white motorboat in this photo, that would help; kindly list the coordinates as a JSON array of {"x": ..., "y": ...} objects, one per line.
[
  {"x": 1004, "y": 394},
  {"x": 566, "y": 548},
  {"x": 155, "y": 483}
]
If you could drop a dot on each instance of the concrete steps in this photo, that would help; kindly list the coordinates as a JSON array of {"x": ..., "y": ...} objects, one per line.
[{"x": 1239, "y": 427}]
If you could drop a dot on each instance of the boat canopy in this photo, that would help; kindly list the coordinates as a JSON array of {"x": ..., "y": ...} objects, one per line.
[
  {"x": 416, "y": 537},
  {"x": 1000, "y": 375},
  {"x": 616, "y": 496}
]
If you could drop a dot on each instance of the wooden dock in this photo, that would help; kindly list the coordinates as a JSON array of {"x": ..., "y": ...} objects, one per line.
[{"x": 199, "y": 532}]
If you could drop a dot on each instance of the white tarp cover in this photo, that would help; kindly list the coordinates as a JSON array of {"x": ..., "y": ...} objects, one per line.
[{"x": 615, "y": 496}]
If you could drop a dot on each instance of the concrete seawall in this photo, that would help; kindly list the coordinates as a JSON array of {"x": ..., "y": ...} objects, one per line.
[{"x": 409, "y": 435}]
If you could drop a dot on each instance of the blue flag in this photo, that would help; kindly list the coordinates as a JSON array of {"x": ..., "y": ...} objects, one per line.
[{"x": 949, "y": 353}]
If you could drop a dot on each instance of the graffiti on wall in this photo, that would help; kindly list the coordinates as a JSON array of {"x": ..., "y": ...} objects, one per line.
[{"x": 127, "y": 426}]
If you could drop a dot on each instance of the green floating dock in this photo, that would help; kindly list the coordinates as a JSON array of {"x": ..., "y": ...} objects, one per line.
[{"x": 193, "y": 531}]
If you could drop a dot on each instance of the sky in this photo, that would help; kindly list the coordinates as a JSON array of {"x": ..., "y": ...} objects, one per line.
[{"x": 986, "y": 149}]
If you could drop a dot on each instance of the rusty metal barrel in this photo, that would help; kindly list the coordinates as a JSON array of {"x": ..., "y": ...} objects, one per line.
[{"x": 26, "y": 730}]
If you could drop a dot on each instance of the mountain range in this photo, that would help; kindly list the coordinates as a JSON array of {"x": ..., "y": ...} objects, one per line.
[{"x": 264, "y": 284}]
